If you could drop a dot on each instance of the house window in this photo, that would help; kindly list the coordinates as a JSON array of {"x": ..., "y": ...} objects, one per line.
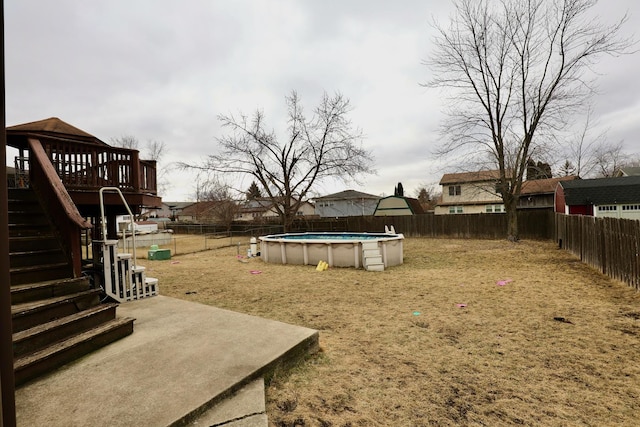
[
  {"x": 631, "y": 207},
  {"x": 607, "y": 208},
  {"x": 494, "y": 208},
  {"x": 455, "y": 190},
  {"x": 455, "y": 209}
]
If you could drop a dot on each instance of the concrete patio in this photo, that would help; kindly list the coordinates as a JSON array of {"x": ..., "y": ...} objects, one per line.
[{"x": 184, "y": 364}]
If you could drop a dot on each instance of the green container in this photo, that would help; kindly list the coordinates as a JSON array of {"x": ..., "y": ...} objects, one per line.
[{"x": 159, "y": 254}]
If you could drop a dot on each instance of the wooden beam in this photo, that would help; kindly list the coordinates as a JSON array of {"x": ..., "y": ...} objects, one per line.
[{"x": 7, "y": 377}]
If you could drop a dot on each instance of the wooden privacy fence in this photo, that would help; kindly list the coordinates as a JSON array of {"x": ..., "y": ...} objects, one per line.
[
  {"x": 609, "y": 244},
  {"x": 533, "y": 224}
]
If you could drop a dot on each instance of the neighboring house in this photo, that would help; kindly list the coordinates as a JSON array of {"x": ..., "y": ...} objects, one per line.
[
  {"x": 263, "y": 208},
  {"x": 398, "y": 206},
  {"x": 540, "y": 193},
  {"x": 206, "y": 211},
  {"x": 602, "y": 197},
  {"x": 469, "y": 192},
  {"x": 306, "y": 209},
  {"x": 346, "y": 203},
  {"x": 171, "y": 209},
  {"x": 254, "y": 209},
  {"x": 631, "y": 171}
]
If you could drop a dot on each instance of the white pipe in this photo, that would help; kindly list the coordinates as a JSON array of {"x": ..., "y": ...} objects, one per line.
[{"x": 104, "y": 221}]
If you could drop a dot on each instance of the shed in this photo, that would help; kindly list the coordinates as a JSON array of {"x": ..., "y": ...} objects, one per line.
[{"x": 398, "y": 206}]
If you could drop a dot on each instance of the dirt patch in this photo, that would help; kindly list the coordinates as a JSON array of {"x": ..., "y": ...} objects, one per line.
[{"x": 463, "y": 333}]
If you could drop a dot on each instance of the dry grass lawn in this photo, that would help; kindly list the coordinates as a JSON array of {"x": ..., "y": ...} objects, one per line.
[{"x": 465, "y": 332}]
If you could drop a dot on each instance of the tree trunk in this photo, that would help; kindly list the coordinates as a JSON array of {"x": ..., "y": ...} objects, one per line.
[{"x": 512, "y": 219}]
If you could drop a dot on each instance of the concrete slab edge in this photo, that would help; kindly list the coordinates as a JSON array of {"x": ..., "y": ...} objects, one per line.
[{"x": 308, "y": 346}]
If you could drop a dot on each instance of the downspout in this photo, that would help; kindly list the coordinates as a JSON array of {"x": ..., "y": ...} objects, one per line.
[{"x": 7, "y": 379}]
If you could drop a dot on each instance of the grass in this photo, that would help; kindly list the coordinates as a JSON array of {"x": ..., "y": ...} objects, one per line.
[{"x": 463, "y": 333}]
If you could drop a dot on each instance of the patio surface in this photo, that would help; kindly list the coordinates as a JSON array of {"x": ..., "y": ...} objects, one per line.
[{"x": 180, "y": 366}]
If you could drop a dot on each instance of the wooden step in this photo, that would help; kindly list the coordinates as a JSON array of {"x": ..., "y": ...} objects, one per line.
[
  {"x": 33, "y": 243},
  {"x": 21, "y": 195},
  {"x": 39, "y": 273},
  {"x": 30, "y": 230},
  {"x": 48, "y": 289},
  {"x": 30, "y": 314},
  {"x": 23, "y": 218},
  {"x": 42, "y": 361},
  {"x": 25, "y": 211},
  {"x": 40, "y": 336},
  {"x": 35, "y": 257}
]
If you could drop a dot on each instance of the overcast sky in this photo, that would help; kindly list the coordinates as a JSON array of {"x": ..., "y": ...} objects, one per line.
[{"x": 164, "y": 69}]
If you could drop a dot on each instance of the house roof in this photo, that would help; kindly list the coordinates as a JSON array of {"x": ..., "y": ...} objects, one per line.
[
  {"x": 347, "y": 195},
  {"x": 465, "y": 177},
  {"x": 602, "y": 191},
  {"x": 199, "y": 208},
  {"x": 257, "y": 204},
  {"x": 177, "y": 205},
  {"x": 54, "y": 125},
  {"x": 631, "y": 171},
  {"x": 543, "y": 186},
  {"x": 413, "y": 204},
  {"x": 261, "y": 204}
]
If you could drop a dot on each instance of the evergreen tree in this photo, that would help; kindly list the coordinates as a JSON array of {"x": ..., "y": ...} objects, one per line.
[
  {"x": 538, "y": 170},
  {"x": 253, "y": 192},
  {"x": 398, "y": 191}
]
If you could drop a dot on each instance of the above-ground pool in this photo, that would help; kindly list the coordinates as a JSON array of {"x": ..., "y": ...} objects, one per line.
[{"x": 336, "y": 249}]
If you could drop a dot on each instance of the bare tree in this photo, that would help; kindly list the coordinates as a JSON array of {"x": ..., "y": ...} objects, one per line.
[
  {"x": 155, "y": 150},
  {"x": 427, "y": 196},
  {"x": 567, "y": 169},
  {"x": 608, "y": 159},
  {"x": 582, "y": 148},
  {"x": 323, "y": 146},
  {"x": 218, "y": 203},
  {"x": 125, "y": 141},
  {"x": 517, "y": 69}
]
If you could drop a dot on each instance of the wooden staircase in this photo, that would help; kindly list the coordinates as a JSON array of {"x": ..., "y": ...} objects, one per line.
[{"x": 56, "y": 318}]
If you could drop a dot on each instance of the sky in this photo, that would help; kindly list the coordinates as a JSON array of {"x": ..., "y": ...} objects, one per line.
[{"x": 163, "y": 70}]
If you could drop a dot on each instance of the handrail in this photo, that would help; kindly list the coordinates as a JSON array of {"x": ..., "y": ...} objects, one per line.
[
  {"x": 103, "y": 219},
  {"x": 58, "y": 204},
  {"x": 59, "y": 190}
]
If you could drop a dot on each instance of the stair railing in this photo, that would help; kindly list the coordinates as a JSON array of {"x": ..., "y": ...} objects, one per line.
[
  {"x": 103, "y": 220},
  {"x": 57, "y": 203},
  {"x": 124, "y": 280}
]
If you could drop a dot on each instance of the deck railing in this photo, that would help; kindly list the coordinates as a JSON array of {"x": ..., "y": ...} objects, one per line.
[{"x": 89, "y": 166}]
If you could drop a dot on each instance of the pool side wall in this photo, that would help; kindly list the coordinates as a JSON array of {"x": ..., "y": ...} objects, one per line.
[{"x": 336, "y": 253}]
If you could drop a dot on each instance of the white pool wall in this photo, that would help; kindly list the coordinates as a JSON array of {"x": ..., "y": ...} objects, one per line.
[{"x": 342, "y": 252}]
